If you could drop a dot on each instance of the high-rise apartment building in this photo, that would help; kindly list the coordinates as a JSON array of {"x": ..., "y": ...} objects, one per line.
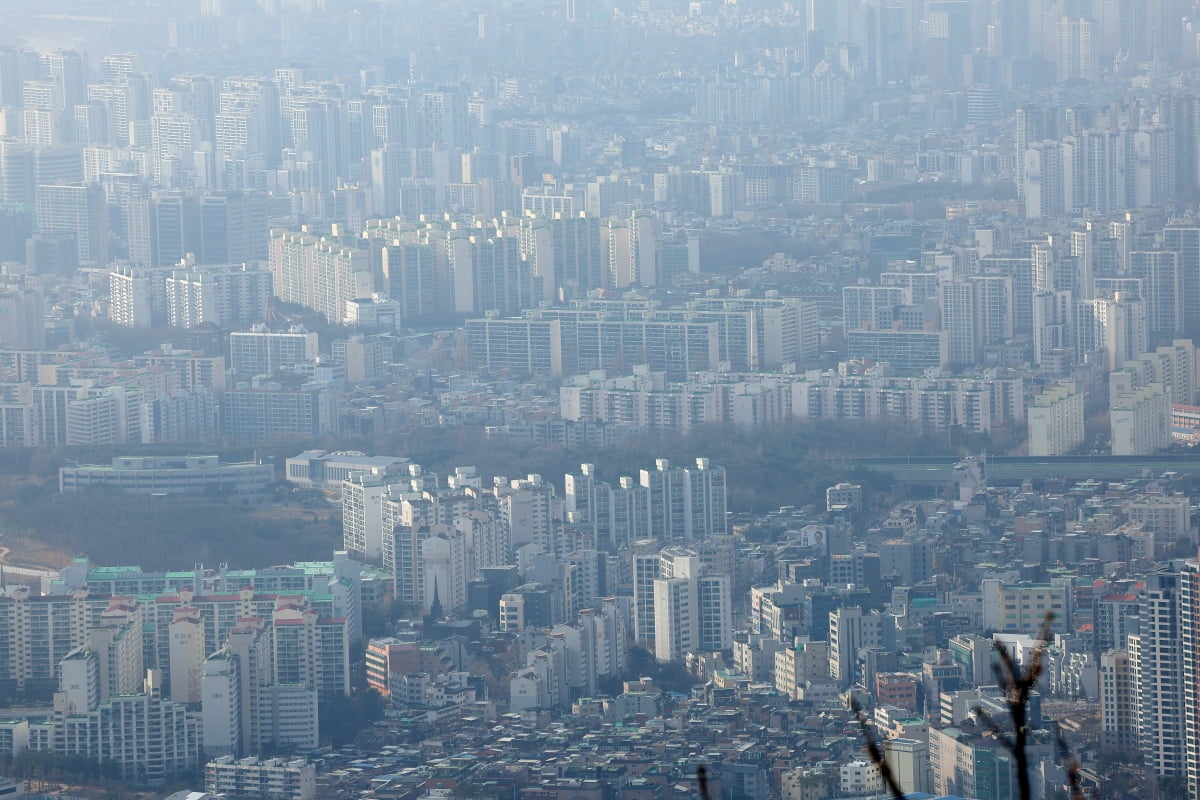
[
  {"x": 225, "y": 295},
  {"x": 1141, "y": 421},
  {"x": 686, "y": 503},
  {"x": 1160, "y": 675},
  {"x": 1056, "y": 421},
  {"x": 692, "y": 607},
  {"x": 646, "y": 566},
  {"x": 319, "y": 273},
  {"x": 1118, "y": 713}
]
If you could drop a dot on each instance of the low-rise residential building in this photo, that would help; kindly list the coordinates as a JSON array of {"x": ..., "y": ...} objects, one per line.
[{"x": 255, "y": 779}]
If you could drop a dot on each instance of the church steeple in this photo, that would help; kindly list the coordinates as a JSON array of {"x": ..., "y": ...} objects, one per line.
[{"x": 435, "y": 608}]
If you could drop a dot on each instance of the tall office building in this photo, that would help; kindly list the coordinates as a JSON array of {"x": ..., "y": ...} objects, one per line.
[
  {"x": 174, "y": 227},
  {"x": 1184, "y": 239},
  {"x": 851, "y": 630},
  {"x": 67, "y": 69},
  {"x": 16, "y": 171},
  {"x": 948, "y": 36},
  {"x": 1180, "y": 112},
  {"x": 1153, "y": 165},
  {"x": 10, "y": 77},
  {"x": 115, "y": 104},
  {"x": 22, "y": 317},
  {"x": 959, "y": 321},
  {"x": 79, "y": 210},
  {"x": 885, "y": 43},
  {"x": 234, "y": 227},
  {"x": 1162, "y": 290}
]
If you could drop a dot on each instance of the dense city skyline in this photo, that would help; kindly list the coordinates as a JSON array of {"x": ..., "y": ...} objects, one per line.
[{"x": 599, "y": 399}]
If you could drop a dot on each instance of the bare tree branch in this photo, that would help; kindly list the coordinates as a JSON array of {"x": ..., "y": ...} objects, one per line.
[
  {"x": 875, "y": 753},
  {"x": 1070, "y": 764},
  {"x": 981, "y": 715},
  {"x": 1018, "y": 685}
]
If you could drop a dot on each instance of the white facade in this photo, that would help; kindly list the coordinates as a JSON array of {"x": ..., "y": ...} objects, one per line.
[
  {"x": 187, "y": 656},
  {"x": 252, "y": 779},
  {"x": 1141, "y": 422},
  {"x": 224, "y": 295},
  {"x": 1056, "y": 421},
  {"x": 692, "y": 607},
  {"x": 319, "y": 273},
  {"x": 1022, "y": 608},
  {"x": 261, "y": 351},
  {"x": 362, "y": 516},
  {"x": 221, "y": 705},
  {"x": 151, "y": 739},
  {"x": 444, "y": 557}
]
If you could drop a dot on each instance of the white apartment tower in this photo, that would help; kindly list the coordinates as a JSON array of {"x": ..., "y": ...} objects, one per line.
[
  {"x": 362, "y": 516},
  {"x": 646, "y": 568},
  {"x": 1164, "y": 694},
  {"x": 693, "y": 608},
  {"x": 1056, "y": 419},
  {"x": 685, "y": 503},
  {"x": 1141, "y": 421},
  {"x": 1189, "y": 696}
]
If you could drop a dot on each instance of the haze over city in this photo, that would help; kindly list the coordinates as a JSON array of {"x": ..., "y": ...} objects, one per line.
[{"x": 599, "y": 400}]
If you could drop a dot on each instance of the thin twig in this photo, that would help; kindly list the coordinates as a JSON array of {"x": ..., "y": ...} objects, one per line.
[
  {"x": 702, "y": 781},
  {"x": 981, "y": 714},
  {"x": 1070, "y": 764},
  {"x": 1018, "y": 685},
  {"x": 875, "y": 752}
]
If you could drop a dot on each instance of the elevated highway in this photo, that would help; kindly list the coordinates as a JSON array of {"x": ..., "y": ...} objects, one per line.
[{"x": 1016, "y": 469}]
